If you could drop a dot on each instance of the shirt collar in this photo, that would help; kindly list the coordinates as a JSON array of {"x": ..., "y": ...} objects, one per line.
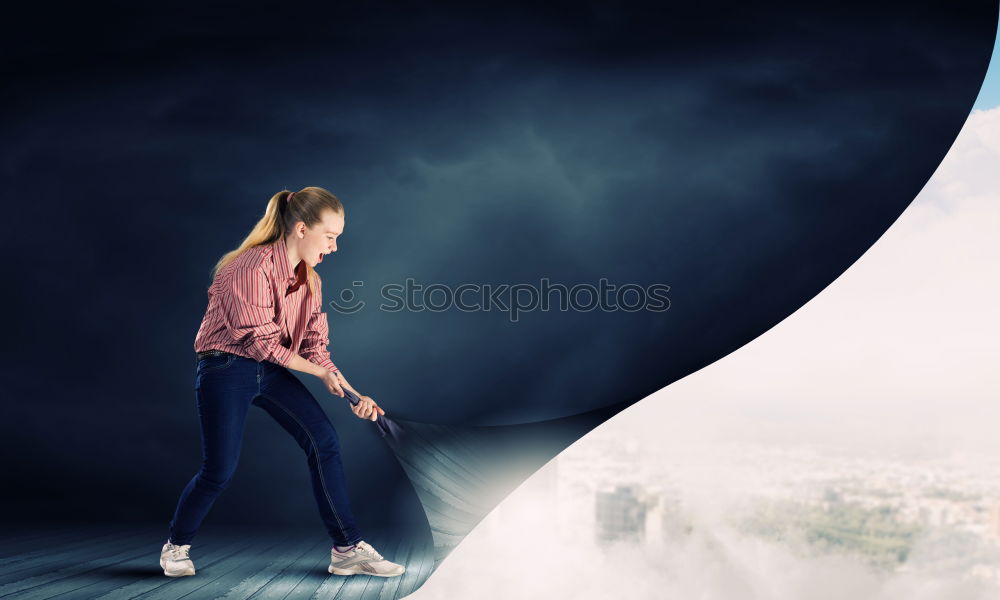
[{"x": 292, "y": 279}]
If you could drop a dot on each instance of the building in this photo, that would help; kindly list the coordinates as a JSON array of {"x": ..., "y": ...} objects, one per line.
[{"x": 621, "y": 513}]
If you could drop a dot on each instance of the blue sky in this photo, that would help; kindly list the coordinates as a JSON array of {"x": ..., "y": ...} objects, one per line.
[{"x": 989, "y": 96}]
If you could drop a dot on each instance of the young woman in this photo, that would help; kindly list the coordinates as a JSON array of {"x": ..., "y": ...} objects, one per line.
[{"x": 264, "y": 317}]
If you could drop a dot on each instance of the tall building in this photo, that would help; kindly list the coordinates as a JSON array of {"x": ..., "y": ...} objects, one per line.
[{"x": 621, "y": 513}]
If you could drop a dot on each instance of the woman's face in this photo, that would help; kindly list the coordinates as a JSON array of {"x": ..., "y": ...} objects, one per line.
[{"x": 320, "y": 239}]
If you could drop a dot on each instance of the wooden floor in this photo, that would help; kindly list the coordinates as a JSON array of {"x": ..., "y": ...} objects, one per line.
[{"x": 97, "y": 563}]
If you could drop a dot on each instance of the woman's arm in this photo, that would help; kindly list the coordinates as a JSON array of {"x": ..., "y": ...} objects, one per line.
[
  {"x": 300, "y": 364},
  {"x": 328, "y": 377}
]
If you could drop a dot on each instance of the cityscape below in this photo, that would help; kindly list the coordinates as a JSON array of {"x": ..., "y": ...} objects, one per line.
[{"x": 896, "y": 525}]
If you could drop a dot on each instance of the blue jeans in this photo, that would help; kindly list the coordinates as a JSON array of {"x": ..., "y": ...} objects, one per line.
[{"x": 225, "y": 387}]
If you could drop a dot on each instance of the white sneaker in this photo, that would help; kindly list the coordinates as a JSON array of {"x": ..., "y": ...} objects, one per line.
[
  {"x": 175, "y": 560},
  {"x": 362, "y": 559}
]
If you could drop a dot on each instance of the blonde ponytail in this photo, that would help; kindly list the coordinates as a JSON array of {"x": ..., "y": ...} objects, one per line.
[{"x": 280, "y": 217}]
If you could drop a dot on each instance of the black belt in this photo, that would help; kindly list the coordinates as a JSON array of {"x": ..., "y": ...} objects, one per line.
[{"x": 207, "y": 353}]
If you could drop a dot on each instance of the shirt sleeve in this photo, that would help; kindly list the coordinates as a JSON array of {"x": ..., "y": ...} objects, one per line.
[
  {"x": 317, "y": 335},
  {"x": 248, "y": 306}
]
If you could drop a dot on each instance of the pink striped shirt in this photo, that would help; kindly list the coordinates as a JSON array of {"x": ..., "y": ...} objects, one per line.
[{"x": 258, "y": 307}]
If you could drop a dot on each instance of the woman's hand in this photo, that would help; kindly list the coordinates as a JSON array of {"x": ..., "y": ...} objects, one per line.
[
  {"x": 332, "y": 383},
  {"x": 366, "y": 408}
]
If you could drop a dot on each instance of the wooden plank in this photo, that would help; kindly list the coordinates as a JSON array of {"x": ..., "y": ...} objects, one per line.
[
  {"x": 286, "y": 555},
  {"x": 12, "y": 545},
  {"x": 79, "y": 537},
  {"x": 315, "y": 574},
  {"x": 330, "y": 587},
  {"x": 429, "y": 564},
  {"x": 421, "y": 556},
  {"x": 60, "y": 564},
  {"x": 353, "y": 586},
  {"x": 285, "y": 582}
]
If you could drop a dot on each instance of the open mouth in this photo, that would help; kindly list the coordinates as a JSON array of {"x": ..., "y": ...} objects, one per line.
[{"x": 320, "y": 258}]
